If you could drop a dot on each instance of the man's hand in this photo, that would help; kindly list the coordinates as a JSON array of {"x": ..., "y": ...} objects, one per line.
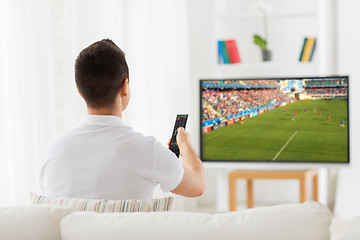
[
  {"x": 183, "y": 140},
  {"x": 193, "y": 182},
  {"x": 183, "y": 136}
]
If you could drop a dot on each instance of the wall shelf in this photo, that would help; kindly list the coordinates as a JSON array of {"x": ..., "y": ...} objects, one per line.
[{"x": 235, "y": 20}]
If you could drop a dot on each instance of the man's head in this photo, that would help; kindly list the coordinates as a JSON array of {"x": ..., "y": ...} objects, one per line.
[{"x": 100, "y": 73}]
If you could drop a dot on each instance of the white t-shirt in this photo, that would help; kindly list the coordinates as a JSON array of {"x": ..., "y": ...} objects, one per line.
[{"x": 102, "y": 158}]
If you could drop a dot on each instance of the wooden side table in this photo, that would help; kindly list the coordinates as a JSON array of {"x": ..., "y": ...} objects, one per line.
[{"x": 250, "y": 175}]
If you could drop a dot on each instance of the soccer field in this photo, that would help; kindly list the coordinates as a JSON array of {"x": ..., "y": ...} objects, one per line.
[{"x": 274, "y": 136}]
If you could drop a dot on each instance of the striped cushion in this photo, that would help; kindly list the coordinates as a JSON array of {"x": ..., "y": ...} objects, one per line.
[{"x": 102, "y": 205}]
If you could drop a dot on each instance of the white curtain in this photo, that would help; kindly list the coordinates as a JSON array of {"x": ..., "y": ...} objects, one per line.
[
  {"x": 26, "y": 92},
  {"x": 39, "y": 41}
]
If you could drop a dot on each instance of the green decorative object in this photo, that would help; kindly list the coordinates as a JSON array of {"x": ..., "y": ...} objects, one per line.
[
  {"x": 261, "y": 42},
  {"x": 264, "y": 8}
]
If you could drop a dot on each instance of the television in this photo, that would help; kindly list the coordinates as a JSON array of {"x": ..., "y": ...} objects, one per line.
[{"x": 280, "y": 120}]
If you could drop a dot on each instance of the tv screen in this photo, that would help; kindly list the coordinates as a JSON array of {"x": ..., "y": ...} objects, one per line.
[{"x": 275, "y": 120}]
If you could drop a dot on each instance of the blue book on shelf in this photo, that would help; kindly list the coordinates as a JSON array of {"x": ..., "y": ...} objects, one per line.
[
  {"x": 302, "y": 50},
  {"x": 223, "y": 55}
]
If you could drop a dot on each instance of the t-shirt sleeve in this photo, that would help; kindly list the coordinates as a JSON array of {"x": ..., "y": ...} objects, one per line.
[
  {"x": 168, "y": 169},
  {"x": 42, "y": 166}
]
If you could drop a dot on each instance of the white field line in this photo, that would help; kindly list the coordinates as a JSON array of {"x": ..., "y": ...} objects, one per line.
[{"x": 285, "y": 145}]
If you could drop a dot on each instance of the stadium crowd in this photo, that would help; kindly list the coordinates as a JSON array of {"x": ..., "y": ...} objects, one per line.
[
  {"x": 325, "y": 83},
  {"x": 223, "y": 104},
  {"x": 327, "y": 91}
]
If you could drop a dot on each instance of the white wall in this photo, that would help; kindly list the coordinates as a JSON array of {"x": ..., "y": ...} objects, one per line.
[{"x": 348, "y": 194}]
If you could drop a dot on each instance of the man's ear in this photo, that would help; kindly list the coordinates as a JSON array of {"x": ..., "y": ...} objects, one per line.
[{"x": 124, "y": 88}]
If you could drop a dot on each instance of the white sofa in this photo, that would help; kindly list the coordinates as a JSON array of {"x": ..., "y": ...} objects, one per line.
[{"x": 307, "y": 221}]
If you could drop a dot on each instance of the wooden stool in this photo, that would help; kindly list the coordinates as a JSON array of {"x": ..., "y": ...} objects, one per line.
[{"x": 250, "y": 175}]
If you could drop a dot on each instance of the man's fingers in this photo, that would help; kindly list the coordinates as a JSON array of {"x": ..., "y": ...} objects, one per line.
[{"x": 180, "y": 129}]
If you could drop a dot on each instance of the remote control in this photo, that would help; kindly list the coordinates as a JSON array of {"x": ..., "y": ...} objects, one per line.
[{"x": 180, "y": 122}]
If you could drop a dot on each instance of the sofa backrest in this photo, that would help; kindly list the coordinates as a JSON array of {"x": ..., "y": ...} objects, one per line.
[
  {"x": 353, "y": 230},
  {"x": 31, "y": 222},
  {"x": 310, "y": 221}
]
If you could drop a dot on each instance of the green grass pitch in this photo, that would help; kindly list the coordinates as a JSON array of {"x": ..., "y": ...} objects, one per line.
[{"x": 274, "y": 136}]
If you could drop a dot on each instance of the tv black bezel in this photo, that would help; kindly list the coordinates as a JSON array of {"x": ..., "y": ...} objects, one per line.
[{"x": 276, "y": 161}]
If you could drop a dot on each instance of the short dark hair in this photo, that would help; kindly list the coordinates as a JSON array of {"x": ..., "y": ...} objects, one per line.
[{"x": 100, "y": 71}]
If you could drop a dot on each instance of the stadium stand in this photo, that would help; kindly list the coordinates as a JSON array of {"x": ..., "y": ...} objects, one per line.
[
  {"x": 228, "y": 103},
  {"x": 326, "y": 88}
]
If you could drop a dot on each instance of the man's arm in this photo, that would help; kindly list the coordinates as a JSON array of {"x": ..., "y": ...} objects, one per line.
[{"x": 193, "y": 182}]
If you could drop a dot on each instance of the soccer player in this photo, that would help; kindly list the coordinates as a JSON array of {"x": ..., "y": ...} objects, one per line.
[
  {"x": 295, "y": 112},
  {"x": 342, "y": 122},
  {"x": 305, "y": 109},
  {"x": 328, "y": 117},
  {"x": 292, "y": 117}
]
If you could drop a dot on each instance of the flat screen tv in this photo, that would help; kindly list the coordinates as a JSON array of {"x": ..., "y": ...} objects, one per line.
[{"x": 303, "y": 120}]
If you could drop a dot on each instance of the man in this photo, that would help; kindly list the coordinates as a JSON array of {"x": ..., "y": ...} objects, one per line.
[{"x": 102, "y": 158}]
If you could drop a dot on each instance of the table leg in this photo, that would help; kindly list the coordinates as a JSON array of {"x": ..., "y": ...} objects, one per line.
[
  {"x": 315, "y": 187},
  {"x": 250, "y": 193},
  {"x": 302, "y": 181},
  {"x": 232, "y": 193}
]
